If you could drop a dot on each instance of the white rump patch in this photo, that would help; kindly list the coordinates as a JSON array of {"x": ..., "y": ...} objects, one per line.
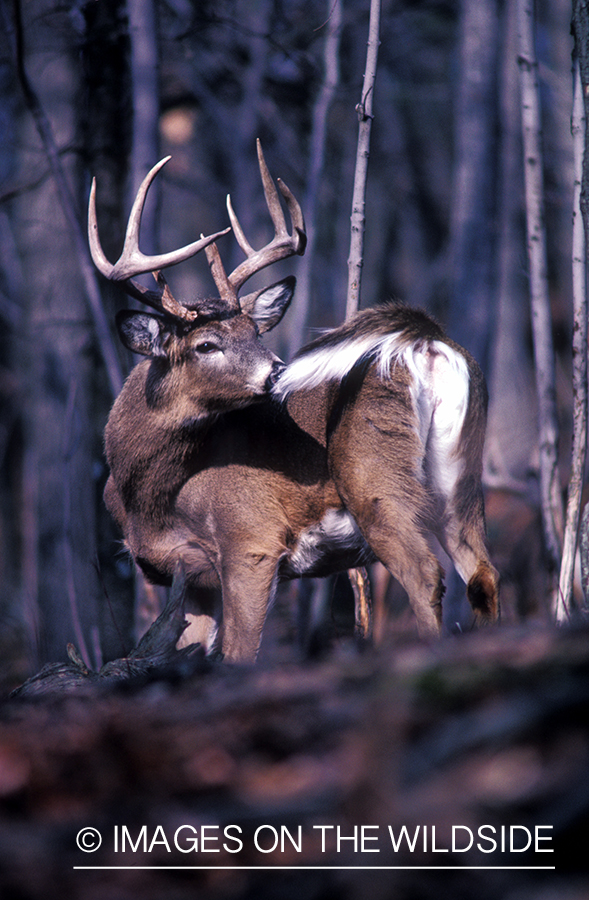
[
  {"x": 439, "y": 391},
  {"x": 440, "y": 395}
]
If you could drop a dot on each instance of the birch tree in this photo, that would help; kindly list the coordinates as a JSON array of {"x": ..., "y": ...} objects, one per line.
[
  {"x": 580, "y": 256},
  {"x": 579, "y": 349},
  {"x": 552, "y": 514},
  {"x": 364, "y": 110}
]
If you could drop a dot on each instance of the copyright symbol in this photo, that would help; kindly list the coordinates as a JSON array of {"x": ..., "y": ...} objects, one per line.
[{"x": 88, "y": 839}]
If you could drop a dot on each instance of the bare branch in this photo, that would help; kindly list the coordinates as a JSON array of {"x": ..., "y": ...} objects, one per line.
[
  {"x": 358, "y": 218},
  {"x": 364, "y": 110}
]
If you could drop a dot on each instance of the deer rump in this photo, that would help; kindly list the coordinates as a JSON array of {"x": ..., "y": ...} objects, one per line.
[{"x": 371, "y": 443}]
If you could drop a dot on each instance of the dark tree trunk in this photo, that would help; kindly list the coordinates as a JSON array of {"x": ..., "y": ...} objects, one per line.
[{"x": 472, "y": 286}]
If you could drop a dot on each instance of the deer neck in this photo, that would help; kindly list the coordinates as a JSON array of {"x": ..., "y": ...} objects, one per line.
[{"x": 152, "y": 441}]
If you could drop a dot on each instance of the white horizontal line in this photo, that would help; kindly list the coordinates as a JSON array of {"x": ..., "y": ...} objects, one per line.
[{"x": 332, "y": 868}]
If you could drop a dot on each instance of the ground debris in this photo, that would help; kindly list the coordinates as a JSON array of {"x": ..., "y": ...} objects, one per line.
[
  {"x": 155, "y": 658},
  {"x": 390, "y": 758}
]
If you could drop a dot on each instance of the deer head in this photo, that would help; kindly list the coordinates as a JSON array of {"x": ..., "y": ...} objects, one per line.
[{"x": 222, "y": 331}]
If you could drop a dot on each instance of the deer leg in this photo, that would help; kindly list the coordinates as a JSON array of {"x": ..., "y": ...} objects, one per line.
[
  {"x": 405, "y": 552},
  {"x": 390, "y": 521},
  {"x": 464, "y": 543},
  {"x": 394, "y": 535},
  {"x": 249, "y": 588}
]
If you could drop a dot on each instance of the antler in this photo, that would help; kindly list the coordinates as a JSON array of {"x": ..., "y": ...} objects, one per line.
[
  {"x": 281, "y": 246},
  {"x": 133, "y": 262}
]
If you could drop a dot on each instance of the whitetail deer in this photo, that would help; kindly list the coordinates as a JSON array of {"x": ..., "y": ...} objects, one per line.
[{"x": 246, "y": 473}]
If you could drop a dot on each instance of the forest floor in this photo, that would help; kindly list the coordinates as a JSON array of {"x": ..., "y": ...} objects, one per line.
[{"x": 407, "y": 772}]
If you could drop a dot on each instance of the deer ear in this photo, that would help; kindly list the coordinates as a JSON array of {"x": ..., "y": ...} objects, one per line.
[
  {"x": 142, "y": 332},
  {"x": 267, "y": 306}
]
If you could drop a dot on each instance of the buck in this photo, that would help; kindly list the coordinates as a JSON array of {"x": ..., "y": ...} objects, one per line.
[{"x": 245, "y": 472}]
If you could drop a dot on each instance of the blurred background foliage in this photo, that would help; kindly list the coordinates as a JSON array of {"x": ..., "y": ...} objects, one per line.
[{"x": 117, "y": 84}]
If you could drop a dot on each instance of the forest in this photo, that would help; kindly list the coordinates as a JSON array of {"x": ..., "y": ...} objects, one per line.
[
  {"x": 106, "y": 88},
  {"x": 89, "y": 91}
]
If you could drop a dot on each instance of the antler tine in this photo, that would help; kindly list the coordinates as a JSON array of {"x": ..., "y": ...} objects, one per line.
[
  {"x": 271, "y": 194},
  {"x": 296, "y": 216},
  {"x": 283, "y": 243},
  {"x": 226, "y": 290},
  {"x": 132, "y": 261},
  {"x": 96, "y": 251}
]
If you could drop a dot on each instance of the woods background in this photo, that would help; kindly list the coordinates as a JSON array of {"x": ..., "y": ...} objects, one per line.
[{"x": 117, "y": 85}]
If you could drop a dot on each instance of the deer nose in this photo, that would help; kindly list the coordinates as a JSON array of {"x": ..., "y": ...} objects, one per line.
[{"x": 278, "y": 368}]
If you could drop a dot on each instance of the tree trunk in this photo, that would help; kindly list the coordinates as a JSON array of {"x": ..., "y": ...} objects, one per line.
[
  {"x": 581, "y": 35},
  {"x": 512, "y": 438},
  {"x": 146, "y": 102},
  {"x": 579, "y": 449},
  {"x": 57, "y": 368},
  {"x": 539, "y": 297},
  {"x": 472, "y": 241},
  {"x": 300, "y": 314}
]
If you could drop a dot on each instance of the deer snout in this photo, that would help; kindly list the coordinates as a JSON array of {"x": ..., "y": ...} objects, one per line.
[{"x": 278, "y": 368}]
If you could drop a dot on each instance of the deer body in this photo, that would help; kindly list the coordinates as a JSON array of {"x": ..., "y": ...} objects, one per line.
[
  {"x": 247, "y": 472},
  {"x": 404, "y": 441}
]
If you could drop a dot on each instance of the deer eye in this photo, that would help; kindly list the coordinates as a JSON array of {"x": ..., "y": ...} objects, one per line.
[{"x": 207, "y": 347}]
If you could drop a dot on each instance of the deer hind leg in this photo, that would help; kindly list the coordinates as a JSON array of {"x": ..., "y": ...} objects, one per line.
[
  {"x": 390, "y": 524},
  {"x": 459, "y": 522},
  {"x": 406, "y": 554},
  {"x": 463, "y": 539},
  {"x": 451, "y": 394},
  {"x": 375, "y": 456}
]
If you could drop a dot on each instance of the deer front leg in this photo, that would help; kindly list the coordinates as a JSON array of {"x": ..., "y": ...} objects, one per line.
[{"x": 249, "y": 588}]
